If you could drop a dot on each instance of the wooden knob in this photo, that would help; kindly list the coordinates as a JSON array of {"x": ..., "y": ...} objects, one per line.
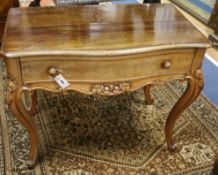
[
  {"x": 53, "y": 71},
  {"x": 167, "y": 64}
]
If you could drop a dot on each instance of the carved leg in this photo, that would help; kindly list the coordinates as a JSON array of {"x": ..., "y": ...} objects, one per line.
[
  {"x": 147, "y": 91},
  {"x": 195, "y": 85},
  {"x": 16, "y": 105},
  {"x": 33, "y": 108}
]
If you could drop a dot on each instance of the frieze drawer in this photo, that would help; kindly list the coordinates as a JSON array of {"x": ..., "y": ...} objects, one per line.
[{"x": 115, "y": 68}]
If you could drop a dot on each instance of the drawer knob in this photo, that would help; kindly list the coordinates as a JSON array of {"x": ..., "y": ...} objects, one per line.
[
  {"x": 167, "y": 64},
  {"x": 53, "y": 71},
  {"x": 58, "y": 77}
]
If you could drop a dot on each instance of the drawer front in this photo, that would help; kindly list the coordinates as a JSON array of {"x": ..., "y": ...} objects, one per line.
[{"x": 121, "y": 68}]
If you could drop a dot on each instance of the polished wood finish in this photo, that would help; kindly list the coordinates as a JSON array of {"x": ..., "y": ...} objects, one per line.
[
  {"x": 100, "y": 51},
  {"x": 102, "y": 32},
  {"x": 5, "y": 5}
]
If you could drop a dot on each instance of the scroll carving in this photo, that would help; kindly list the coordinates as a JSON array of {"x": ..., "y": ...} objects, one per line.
[
  {"x": 110, "y": 89},
  {"x": 11, "y": 88}
]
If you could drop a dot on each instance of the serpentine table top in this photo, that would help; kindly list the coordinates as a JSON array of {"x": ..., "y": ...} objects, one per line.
[
  {"x": 98, "y": 30},
  {"x": 99, "y": 49}
]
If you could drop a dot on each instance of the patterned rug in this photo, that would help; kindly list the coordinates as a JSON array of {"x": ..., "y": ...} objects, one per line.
[
  {"x": 119, "y": 135},
  {"x": 201, "y": 9}
]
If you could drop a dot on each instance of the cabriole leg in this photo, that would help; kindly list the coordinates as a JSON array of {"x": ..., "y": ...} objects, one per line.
[
  {"x": 14, "y": 99},
  {"x": 195, "y": 85}
]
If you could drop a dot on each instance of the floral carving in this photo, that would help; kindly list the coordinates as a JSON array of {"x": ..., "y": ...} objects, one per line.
[
  {"x": 11, "y": 85},
  {"x": 111, "y": 89}
]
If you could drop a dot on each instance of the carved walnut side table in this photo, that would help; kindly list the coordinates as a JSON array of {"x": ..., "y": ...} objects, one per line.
[{"x": 107, "y": 50}]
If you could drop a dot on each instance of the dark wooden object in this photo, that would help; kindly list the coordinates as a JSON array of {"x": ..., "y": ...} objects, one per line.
[
  {"x": 213, "y": 23},
  {"x": 151, "y": 1},
  {"x": 5, "y": 5},
  {"x": 100, "y": 53},
  {"x": 35, "y": 3},
  {"x": 215, "y": 168}
]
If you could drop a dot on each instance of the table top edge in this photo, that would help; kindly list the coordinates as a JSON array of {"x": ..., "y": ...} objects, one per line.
[{"x": 117, "y": 52}]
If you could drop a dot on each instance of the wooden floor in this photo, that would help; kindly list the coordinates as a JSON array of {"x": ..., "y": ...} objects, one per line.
[{"x": 212, "y": 52}]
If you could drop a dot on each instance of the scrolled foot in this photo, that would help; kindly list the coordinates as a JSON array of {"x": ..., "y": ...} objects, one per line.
[
  {"x": 172, "y": 147},
  {"x": 30, "y": 164}
]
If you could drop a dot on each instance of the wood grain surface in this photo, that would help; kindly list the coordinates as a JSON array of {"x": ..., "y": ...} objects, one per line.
[{"x": 98, "y": 30}]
